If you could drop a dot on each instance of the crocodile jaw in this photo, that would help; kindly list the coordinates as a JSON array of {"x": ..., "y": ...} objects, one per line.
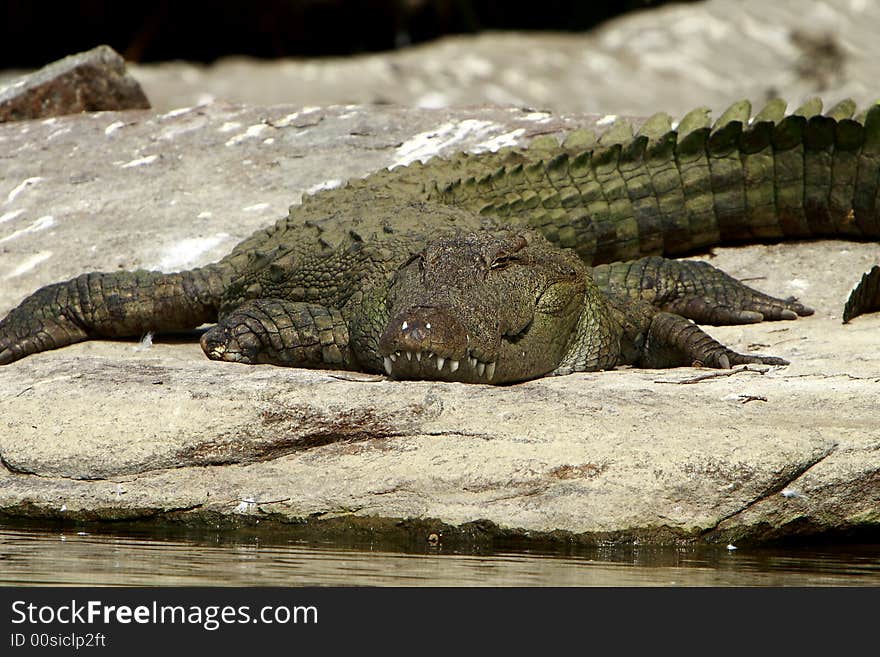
[{"x": 430, "y": 342}]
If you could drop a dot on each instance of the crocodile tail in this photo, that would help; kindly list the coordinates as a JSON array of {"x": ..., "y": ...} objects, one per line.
[
  {"x": 671, "y": 189},
  {"x": 117, "y": 304}
]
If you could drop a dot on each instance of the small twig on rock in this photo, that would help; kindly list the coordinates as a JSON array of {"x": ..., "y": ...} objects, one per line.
[
  {"x": 716, "y": 374},
  {"x": 745, "y": 399},
  {"x": 363, "y": 378}
]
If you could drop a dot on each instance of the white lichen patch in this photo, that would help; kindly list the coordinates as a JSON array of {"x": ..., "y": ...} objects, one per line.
[
  {"x": 502, "y": 96},
  {"x": 205, "y": 215},
  {"x": 256, "y": 207},
  {"x": 186, "y": 253},
  {"x": 113, "y": 127},
  {"x": 58, "y": 133},
  {"x": 29, "y": 263},
  {"x": 290, "y": 118},
  {"x": 9, "y": 216},
  {"x": 426, "y": 145},
  {"x": 40, "y": 224},
  {"x": 501, "y": 141},
  {"x": 23, "y": 185},
  {"x": 608, "y": 119},
  {"x": 15, "y": 84},
  {"x": 141, "y": 161},
  {"x": 333, "y": 183},
  {"x": 791, "y": 493},
  {"x": 433, "y": 100},
  {"x": 174, "y": 112},
  {"x": 252, "y": 131},
  {"x": 473, "y": 66},
  {"x": 538, "y": 117}
]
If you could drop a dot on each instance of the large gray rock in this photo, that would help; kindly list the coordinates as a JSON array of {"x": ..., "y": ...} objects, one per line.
[{"x": 110, "y": 430}]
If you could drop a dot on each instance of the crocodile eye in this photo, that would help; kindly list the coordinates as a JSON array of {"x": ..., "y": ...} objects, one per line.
[
  {"x": 503, "y": 261},
  {"x": 508, "y": 254}
]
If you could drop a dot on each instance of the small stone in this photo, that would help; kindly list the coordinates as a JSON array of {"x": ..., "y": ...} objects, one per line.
[{"x": 90, "y": 81}]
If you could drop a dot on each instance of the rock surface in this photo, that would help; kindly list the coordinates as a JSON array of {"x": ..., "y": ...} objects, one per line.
[
  {"x": 85, "y": 82},
  {"x": 116, "y": 430}
]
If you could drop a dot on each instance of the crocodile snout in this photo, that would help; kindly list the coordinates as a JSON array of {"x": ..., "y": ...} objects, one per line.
[{"x": 424, "y": 329}]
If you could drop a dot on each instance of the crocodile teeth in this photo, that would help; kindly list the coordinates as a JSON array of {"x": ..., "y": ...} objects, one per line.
[{"x": 480, "y": 368}]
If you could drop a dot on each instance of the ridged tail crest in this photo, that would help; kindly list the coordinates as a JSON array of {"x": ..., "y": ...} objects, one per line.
[
  {"x": 865, "y": 298},
  {"x": 674, "y": 188}
]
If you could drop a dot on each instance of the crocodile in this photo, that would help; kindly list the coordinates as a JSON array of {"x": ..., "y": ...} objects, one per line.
[{"x": 511, "y": 265}]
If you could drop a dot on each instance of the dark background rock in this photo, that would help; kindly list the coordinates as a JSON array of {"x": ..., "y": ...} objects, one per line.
[
  {"x": 203, "y": 31},
  {"x": 670, "y": 58},
  {"x": 86, "y": 82}
]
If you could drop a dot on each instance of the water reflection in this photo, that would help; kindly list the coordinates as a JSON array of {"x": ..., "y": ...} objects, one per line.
[{"x": 71, "y": 558}]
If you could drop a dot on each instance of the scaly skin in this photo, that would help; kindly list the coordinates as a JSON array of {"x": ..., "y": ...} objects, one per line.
[{"x": 477, "y": 268}]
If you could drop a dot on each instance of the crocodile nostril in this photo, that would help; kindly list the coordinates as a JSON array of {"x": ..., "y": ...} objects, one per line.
[
  {"x": 423, "y": 328},
  {"x": 415, "y": 331}
]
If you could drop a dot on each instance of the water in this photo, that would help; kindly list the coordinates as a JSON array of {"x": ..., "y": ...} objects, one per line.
[{"x": 37, "y": 558}]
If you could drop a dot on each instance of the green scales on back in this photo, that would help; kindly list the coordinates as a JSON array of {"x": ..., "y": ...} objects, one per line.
[{"x": 662, "y": 190}]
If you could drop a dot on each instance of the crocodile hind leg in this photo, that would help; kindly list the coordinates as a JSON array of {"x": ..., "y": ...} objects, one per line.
[
  {"x": 280, "y": 332},
  {"x": 108, "y": 305},
  {"x": 673, "y": 341},
  {"x": 695, "y": 290}
]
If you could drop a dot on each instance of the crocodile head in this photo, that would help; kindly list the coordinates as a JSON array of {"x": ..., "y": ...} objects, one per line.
[{"x": 482, "y": 308}]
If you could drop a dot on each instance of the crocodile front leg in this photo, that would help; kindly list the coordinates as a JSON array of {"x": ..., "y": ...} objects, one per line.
[
  {"x": 695, "y": 290},
  {"x": 281, "y": 332},
  {"x": 109, "y": 305}
]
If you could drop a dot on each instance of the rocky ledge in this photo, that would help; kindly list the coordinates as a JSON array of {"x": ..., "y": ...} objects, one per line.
[{"x": 121, "y": 431}]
